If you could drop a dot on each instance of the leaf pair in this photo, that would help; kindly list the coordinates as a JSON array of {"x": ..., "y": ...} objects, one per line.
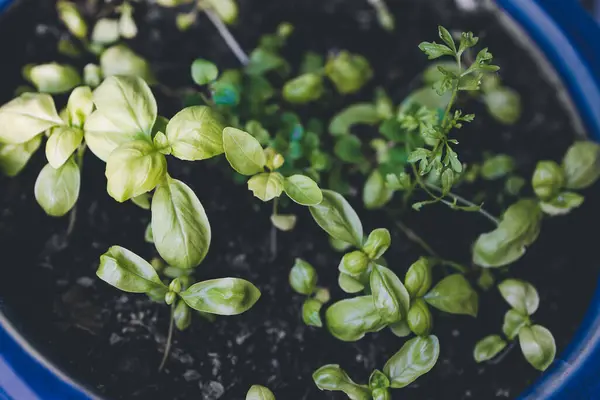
[
  {"x": 303, "y": 279},
  {"x": 127, "y": 271}
]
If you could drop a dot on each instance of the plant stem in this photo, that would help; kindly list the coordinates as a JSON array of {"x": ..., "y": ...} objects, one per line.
[
  {"x": 464, "y": 201},
  {"x": 169, "y": 338},
  {"x": 411, "y": 235},
  {"x": 274, "y": 231},
  {"x": 228, "y": 37},
  {"x": 73, "y": 212}
]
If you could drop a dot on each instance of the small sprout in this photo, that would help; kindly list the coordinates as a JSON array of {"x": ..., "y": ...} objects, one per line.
[
  {"x": 204, "y": 72},
  {"x": 332, "y": 378},
  {"x": 258, "y": 392},
  {"x": 418, "y": 278},
  {"x": 349, "y": 72},
  {"x": 522, "y": 296},
  {"x": 514, "y": 321},
  {"x": 303, "y": 277},
  {"x": 303, "y": 89},
  {"x": 538, "y": 346},
  {"x": 377, "y": 243},
  {"x": 419, "y": 318},
  {"x": 454, "y": 295},
  {"x": 311, "y": 312},
  {"x": 581, "y": 164},
  {"x": 354, "y": 263},
  {"x": 547, "y": 180},
  {"x": 488, "y": 348}
]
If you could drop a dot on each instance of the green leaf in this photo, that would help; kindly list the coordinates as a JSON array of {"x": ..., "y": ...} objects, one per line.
[
  {"x": 521, "y": 295},
  {"x": 497, "y": 167},
  {"x": 27, "y": 116},
  {"x": 418, "y": 278},
  {"x": 348, "y": 149},
  {"x": 433, "y": 74},
  {"x": 348, "y": 72},
  {"x": 581, "y": 164},
  {"x": 350, "y": 319},
  {"x": 57, "y": 190},
  {"x": 375, "y": 193},
  {"x": 418, "y": 155},
  {"x": 447, "y": 38},
  {"x": 263, "y": 61},
  {"x": 454, "y": 295},
  {"x": 513, "y": 323},
  {"x": 419, "y": 318},
  {"x": 128, "y": 272},
  {"x": 416, "y": 357},
  {"x": 182, "y": 316},
  {"x": 134, "y": 168},
  {"x": 447, "y": 179},
  {"x": 398, "y": 182},
  {"x": 562, "y": 204},
  {"x": 303, "y": 89},
  {"x": 302, "y": 190},
  {"x": 349, "y": 284},
  {"x": 180, "y": 226},
  {"x": 204, "y": 71},
  {"x": 227, "y": 10},
  {"x": 79, "y": 106},
  {"x": 103, "y": 137},
  {"x": 337, "y": 217},
  {"x": 303, "y": 277},
  {"x": 378, "y": 380},
  {"x": 519, "y": 228},
  {"x": 488, "y": 348},
  {"x": 244, "y": 153},
  {"x": 54, "y": 78},
  {"x": 14, "y": 157},
  {"x": 92, "y": 75},
  {"x": 377, "y": 243},
  {"x": 148, "y": 236},
  {"x": 311, "y": 309},
  {"x": 361, "y": 113},
  {"x": 70, "y": 16},
  {"x": 467, "y": 40},
  {"x": 332, "y": 378},
  {"x": 196, "y": 133},
  {"x": 258, "y": 392},
  {"x": 142, "y": 201},
  {"x": 389, "y": 294},
  {"x": 434, "y": 50},
  {"x": 121, "y": 61},
  {"x": 548, "y": 179},
  {"x": 354, "y": 263},
  {"x": 128, "y": 103},
  {"x": 400, "y": 328},
  {"x": 267, "y": 185},
  {"x": 106, "y": 31},
  {"x": 380, "y": 393},
  {"x": 538, "y": 346},
  {"x": 61, "y": 144},
  {"x": 284, "y": 222},
  {"x": 225, "y": 296},
  {"x": 504, "y": 105}
]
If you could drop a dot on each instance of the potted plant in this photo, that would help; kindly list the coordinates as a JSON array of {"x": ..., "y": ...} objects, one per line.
[{"x": 446, "y": 184}]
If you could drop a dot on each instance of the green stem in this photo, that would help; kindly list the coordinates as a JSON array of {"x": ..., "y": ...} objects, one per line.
[
  {"x": 227, "y": 37},
  {"x": 169, "y": 339},
  {"x": 464, "y": 201},
  {"x": 274, "y": 231},
  {"x": 411, "y": 235},
  {"x": 458, "y": 267},
  {"x": 73, "y": 213}
]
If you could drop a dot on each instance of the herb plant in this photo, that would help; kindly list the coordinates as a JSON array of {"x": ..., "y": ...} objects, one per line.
[{"x": 242, "y": 114}]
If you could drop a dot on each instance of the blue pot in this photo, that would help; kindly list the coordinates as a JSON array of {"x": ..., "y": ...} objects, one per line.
[{"x": 570, "y": 40}]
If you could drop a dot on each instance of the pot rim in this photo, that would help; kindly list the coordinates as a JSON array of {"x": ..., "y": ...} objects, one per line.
[{"x": 565, "y": 34}]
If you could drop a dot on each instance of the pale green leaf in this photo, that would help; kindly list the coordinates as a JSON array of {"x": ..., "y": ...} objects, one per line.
[
  {"x": 204, "y": 71},
  {"x": 332, "y": 378},
  {"x": 27, "y": 116},
  {"x": 375, "y": 193},
  {"x": 302, "y": 190},
  {"x": 488, "y": 348},
  {"x": 128, "y": 103},
  {"x": 57, "y": 190},
  {"x": 311, "y": 312},
  {"x": 79, "y": 106},
  {"x": 61, "y": 144},
  {"x": 538, "y": 346},
  {"x": 284, "y": 222},
  {"x": 562, "y": 204},
  {"x": 54, "y": 78},
  {"x": 389, "y": 294},
  {"x": 361, "y": 113},
  {"x": 180, "y": 226},
  {"x": 225, "y": 296},
  {"x": 349, "y": 284},
  {"x": 196, "y": 133},
  {"x": 582, "y": 164},
  {"x": 267, "y": 185},
  {"x": 244, "y": 153},
  {"x": 106, "y": 31},
  {"x": 134, "y": 168},
  {"x": 303, "y": 277},
  {"x": 337, "y": 217},
  {"x": 513, "y": 322},
  {"x": 521, "y": 295},
  {"x": 258, "y": 392},
  {"x": 102, "y": 136},
  {"x": 415, "y": 358},
  {"x": 129, "y": 272},
  {"x": 121, "y": 61},
  {"x": 454, "y": 295},
  {"x": 14, "y": 157},
  {"x": 350, "y": 319}
]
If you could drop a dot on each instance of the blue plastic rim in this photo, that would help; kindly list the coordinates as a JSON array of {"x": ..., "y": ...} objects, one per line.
[{"x": 570, "y": 40}]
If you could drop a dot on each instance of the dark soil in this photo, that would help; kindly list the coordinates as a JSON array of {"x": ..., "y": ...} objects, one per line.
[{"x": 113, "y": 342}]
